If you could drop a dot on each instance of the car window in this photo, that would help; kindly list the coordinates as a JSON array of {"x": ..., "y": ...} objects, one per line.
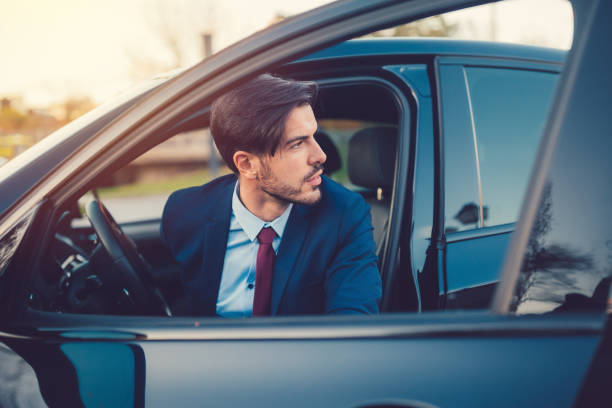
[
  {"x": 567, "y": 260},
  {"x": 487, "y": 169}
]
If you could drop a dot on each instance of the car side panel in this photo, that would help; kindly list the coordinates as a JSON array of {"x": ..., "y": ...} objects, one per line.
[
  {"x": 470, "y": 265},
  {"x": 458, "y": 372},
  {"x": 463, "y": 359}
]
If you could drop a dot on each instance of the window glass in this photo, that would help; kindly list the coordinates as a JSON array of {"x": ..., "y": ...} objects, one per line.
[
  {"x": 567, "y": 260},
  {"x": 508, "y": 109},
  {"x": 460, "y": 181}
]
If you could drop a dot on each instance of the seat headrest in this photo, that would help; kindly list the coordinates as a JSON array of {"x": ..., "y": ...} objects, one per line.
[
  {"x": 371, "y": 156},
  {"x": 333, "y": 162}
]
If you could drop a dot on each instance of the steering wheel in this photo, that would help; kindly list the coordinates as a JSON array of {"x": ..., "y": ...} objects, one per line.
[{"x": 132, "y": 271}]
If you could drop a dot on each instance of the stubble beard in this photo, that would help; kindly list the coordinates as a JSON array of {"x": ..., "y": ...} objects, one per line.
[{"x": 285, "y": 193}]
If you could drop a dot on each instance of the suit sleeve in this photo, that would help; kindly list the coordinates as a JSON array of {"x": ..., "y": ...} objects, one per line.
[
  {"x": 353, "y": 283},
  {"x": 177, "y": 230},
  {"x": 169, "y": 224}
]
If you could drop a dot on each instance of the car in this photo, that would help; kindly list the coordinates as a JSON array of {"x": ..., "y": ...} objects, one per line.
[
  {"x": 437, "y": 104},
  {"x": 372, "y": 91}
]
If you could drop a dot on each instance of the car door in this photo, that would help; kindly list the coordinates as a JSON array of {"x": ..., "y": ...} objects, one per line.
[
  {"x": 462, "y": 359},
  {"x": 492, "y": 113}
]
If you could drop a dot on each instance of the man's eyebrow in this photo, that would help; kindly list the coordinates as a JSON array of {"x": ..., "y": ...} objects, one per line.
[{"x": 295, "y": 139}]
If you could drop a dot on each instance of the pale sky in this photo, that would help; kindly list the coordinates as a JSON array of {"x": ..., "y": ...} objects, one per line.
[{"x": 53, "y": 49}]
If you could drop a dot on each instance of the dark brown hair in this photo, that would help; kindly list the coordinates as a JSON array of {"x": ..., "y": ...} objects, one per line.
[{"x": 252, "y": 117}]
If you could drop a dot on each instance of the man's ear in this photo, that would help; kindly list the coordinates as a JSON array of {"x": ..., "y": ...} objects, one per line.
[{"x": 246, "y": 163}]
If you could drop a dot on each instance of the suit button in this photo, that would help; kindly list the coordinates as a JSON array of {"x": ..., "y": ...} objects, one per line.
[{"x": 250, "y": 286}]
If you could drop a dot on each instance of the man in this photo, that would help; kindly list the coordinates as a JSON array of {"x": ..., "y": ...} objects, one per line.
[{"x": 276, "y": 237}]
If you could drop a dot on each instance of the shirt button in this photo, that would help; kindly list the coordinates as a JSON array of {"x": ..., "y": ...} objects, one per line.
[{"x": 250, "y": 286}]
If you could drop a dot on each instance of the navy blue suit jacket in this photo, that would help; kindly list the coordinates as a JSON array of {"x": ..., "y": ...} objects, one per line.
[{"x": 326, "y": 262}]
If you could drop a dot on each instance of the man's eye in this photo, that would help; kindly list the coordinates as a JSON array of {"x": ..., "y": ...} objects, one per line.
[{"x": 297, "y": 144}]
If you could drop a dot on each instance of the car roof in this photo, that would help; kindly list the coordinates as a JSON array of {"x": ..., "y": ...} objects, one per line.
[{"x": 435, "y": 46}]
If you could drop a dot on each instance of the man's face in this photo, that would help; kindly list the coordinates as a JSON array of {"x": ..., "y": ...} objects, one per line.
[{"x": 294, "y": 172}]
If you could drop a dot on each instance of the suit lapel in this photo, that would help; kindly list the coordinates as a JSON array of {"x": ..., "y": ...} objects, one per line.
[
  {"x": 293, "y": 239},
  {"x": 215, "y": 243}
]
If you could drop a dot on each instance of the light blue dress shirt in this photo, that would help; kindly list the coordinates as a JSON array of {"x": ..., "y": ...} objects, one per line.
[{"x": 237, "y": 286}]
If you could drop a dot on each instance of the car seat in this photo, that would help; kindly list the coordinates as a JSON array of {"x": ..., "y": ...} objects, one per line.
[
  {"x": 333, "y": 162},
  {"x": 371, "y": 165}
]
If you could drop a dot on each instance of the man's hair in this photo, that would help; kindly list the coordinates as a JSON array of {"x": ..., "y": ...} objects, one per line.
[{"x": 252, "y": 117}]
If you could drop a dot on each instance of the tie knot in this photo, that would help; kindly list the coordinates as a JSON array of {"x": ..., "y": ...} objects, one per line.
[{"x": 266, "y": 235}]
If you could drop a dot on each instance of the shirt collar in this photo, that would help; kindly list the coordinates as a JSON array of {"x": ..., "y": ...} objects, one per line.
[{"x": 251, "y": 224}]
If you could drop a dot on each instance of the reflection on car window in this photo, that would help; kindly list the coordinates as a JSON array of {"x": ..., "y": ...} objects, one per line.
[
  {"x": 508, "y": 109},
  {"x": 567, "y": 261}
]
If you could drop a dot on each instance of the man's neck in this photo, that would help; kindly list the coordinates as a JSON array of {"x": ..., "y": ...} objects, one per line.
[{"x": 258, "y": 202}]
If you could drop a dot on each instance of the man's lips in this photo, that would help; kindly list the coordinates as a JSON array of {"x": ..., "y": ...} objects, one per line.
[{"x": 315, "y": 179}]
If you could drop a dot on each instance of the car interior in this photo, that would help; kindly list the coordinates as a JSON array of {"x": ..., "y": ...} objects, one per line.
[{"x": 97, "y": 265}]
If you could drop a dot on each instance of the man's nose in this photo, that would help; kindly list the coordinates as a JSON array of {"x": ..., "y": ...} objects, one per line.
[{"x": 318, "y": 155}]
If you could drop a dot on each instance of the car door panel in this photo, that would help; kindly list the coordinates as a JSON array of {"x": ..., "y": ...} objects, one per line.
[
  {"x": 471, "y": 359},
  {"x": 418, "y": 371},
  {"x": 472, "y": 263}
]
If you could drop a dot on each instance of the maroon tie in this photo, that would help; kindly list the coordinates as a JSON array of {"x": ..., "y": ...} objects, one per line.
[{"x": 264, "y": 270}]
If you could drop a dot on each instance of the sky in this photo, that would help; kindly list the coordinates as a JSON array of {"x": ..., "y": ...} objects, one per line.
[{"x": 51, "y": 50}]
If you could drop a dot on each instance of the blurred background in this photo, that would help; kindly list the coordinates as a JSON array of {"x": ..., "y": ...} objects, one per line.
[{"x": 60, "y": 59}]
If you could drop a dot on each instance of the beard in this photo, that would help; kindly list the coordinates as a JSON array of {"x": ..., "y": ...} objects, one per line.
[{"x": 287, "y": 193}]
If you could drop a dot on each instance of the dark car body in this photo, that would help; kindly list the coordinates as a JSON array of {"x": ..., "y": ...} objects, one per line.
[{"x": 510, "y": 355}]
